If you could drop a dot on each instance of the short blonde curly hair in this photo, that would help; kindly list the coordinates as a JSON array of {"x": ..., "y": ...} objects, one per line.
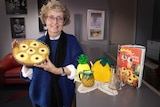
[{"x": 55, "y": 5}]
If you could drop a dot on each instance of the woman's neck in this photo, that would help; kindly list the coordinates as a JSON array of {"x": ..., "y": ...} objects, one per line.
[{"x": 53, "y": 35}]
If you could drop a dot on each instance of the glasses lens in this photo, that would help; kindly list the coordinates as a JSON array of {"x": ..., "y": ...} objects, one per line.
[{"x": 58, "y": 19}]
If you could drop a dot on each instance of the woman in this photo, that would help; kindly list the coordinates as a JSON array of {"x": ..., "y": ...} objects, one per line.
[{"x": 52, "y": 81}]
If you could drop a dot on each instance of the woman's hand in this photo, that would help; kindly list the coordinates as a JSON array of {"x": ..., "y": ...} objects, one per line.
[
  {"x": 14, "y": 43},
  {"x": 48, "y": 66}
]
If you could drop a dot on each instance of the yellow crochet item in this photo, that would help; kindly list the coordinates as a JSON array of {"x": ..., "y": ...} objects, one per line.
[
  {"x": 102, "y": 70},
  {"x": 82, "y": 67},
  {"x": 82, "y": 64}
]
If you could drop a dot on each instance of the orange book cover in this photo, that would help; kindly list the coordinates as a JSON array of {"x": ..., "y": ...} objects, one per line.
[{"x": 130, "y": 62}]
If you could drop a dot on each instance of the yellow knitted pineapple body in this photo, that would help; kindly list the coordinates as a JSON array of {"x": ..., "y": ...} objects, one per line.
[
  {"x": 82, "y": 64},
  {"x": 82, "y": 67},
  {"x": 102, "y": 71}
]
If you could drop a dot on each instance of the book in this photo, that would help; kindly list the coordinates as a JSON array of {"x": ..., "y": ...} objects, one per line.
[{"x": 130, "y": 63}]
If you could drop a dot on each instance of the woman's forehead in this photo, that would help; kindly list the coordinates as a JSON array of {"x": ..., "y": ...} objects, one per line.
[{"x": 55, "y": 12}]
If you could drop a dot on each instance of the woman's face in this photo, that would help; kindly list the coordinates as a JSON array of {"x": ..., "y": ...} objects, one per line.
[{"x": 54, "y": 22}]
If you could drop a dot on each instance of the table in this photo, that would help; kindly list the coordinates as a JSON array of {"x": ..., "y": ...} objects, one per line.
[{"x": 127, "y": 97}]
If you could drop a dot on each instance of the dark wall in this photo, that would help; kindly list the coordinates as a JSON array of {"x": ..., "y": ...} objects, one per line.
[
  {"x": 144, "y": 21},
  {"x": 156, "y": 20}
]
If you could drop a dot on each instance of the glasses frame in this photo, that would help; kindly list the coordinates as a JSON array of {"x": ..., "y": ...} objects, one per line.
[{"x": 58, "y": 19}]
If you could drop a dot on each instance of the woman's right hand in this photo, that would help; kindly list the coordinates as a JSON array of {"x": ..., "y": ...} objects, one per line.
[{"x": 14, "y": 43}]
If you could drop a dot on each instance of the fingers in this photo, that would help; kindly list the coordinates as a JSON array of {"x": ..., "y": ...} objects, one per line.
[
  {"x": 48, "y": 60},
  {"x": 13, "y": 44},
  {"x": 46, "y": 65},
  {"x": 39, "y": 65}
]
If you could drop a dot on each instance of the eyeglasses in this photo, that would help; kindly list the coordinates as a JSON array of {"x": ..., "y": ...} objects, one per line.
[{"x": 58, "y": 19}]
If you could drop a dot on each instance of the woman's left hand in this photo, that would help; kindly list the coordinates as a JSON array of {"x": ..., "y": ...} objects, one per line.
[{"x": 47, "y": 65}]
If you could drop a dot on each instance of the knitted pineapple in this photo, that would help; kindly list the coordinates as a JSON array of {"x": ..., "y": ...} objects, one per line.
[
  {"x": 82, "y": 64},
  {"x": 101, "y": 69}
]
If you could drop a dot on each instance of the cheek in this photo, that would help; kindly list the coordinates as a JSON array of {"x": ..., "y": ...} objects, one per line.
[{"x": 46, "y": 22}]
